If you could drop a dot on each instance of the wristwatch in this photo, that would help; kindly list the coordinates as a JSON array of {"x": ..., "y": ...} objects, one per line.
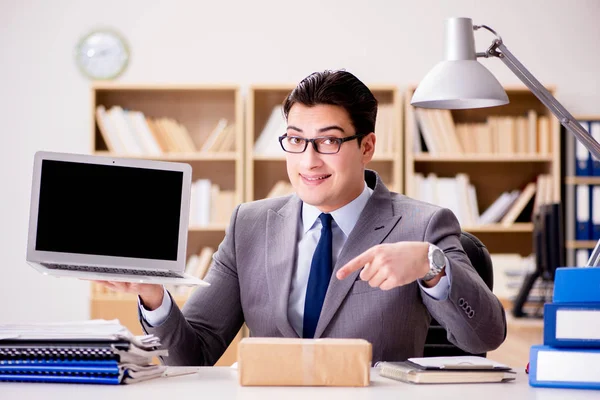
[{"x": 437, "y": 262}]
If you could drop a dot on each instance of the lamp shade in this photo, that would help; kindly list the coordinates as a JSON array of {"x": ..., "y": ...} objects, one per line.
[{"x": 460, "y": 81}]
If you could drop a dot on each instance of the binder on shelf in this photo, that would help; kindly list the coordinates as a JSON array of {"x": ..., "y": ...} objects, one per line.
[
  {"x": 583, "y": 158},
  {"x": 595, "y": 212},
  {"x": 582, "y": 256},
  {"x": 595, "y": 131},
  {"x": 564, "y": 368},
  {"x": 582, "y": 212},
  {"x": 575, "y": 325}
]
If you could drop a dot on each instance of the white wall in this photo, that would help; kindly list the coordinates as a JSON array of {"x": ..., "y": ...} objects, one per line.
[{"x": 45, "y": 102}]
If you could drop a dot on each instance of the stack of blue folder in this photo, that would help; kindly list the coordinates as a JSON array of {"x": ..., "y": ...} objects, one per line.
[
  {"x": 570, "y": 354},
  {"x": 101, "y": 352}
]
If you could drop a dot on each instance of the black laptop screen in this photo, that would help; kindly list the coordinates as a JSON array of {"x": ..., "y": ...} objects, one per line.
[{"x": 109, "y": 210}]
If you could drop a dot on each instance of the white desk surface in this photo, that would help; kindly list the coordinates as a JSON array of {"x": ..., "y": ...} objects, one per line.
[{"x": 222, "y": 383}]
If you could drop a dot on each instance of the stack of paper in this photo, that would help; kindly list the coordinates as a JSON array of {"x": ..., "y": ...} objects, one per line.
[{"x": 96, "y": 351}]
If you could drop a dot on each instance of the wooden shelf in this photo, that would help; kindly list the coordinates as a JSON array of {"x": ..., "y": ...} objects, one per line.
[
  {"x": 198, "y": 109},
  {"x": 494, "y": 172},
  {"x": 128, "y": 297},
  {"x": 166, "y": 87},
  {"x": 581, "y": 244},
  {"x": 491, "y": 158},
  {"x": 185, "y": 157},
  {"x": 577, "y": 251},
  {"x": 262, "y": 172},
  {"x": 258, "y": 157},
  {"x": 376, "y": 158},
  {"x": 517, "y": 227},
  {"x": 582, "y": 180}
]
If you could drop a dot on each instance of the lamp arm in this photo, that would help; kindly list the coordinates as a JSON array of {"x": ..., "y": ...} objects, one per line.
[
  {"x": 498, "y": 49},
  {"x": 565, "y": 118}
]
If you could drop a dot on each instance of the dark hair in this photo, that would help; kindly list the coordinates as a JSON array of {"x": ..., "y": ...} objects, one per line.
[{"x": 338, "y": 88}]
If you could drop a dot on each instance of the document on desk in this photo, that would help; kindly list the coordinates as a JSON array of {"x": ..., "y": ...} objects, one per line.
[
  {"x": 446, "y": 370},
  {"x": 80, "y": 330},
  {"x": 95, "y": 352},
  {"x": 459, "y": 362}
]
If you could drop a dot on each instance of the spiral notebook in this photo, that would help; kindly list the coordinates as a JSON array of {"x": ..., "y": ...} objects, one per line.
[{"x": 100, "y": 352}]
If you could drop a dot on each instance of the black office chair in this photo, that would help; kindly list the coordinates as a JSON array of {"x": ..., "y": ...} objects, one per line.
[{"x": 436, "y": 343}]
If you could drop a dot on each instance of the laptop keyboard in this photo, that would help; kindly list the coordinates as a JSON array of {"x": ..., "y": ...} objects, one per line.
[{"x": 168, "y": 274}]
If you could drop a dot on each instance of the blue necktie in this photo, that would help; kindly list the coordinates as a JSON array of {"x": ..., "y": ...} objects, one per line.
[{"x": 318, "y": 280}]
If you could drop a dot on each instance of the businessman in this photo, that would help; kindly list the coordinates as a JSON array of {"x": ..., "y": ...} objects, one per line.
[{"x": 342, "y": 257}]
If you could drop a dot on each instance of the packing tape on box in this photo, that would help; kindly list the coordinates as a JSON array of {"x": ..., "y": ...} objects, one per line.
[{"x": 308, "y": 364}]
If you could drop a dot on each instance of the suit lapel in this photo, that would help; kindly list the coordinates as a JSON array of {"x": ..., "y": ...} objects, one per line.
[
  {"x": 281, "y": 241},
  {"x": 373, "y": 226}
]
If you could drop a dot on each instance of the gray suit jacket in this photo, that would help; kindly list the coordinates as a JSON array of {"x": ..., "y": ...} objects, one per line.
[{"x": 252, "y": 270}]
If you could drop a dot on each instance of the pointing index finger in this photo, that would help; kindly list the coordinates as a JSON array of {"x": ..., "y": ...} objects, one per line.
[{"x": 355, "y": 264}]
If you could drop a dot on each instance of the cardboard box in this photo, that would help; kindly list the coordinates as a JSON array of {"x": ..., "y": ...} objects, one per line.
[{"x": 304, "y": 362}]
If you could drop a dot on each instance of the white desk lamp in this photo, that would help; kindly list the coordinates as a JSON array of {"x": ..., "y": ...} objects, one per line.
[{"x": 461, "y": 82}]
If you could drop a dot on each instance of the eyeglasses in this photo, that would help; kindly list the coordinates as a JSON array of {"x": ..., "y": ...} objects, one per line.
[{"x": 322, "y": 145}]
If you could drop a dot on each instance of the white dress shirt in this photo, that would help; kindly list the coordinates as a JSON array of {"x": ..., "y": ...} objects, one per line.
[{"x": 344, "y": 220}]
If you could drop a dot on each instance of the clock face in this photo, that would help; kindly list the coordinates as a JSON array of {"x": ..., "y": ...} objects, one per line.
[{"x": 102, "y": 55}]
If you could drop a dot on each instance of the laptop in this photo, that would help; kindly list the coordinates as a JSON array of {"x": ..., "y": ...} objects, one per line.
[{"x": 105, "y": 218}]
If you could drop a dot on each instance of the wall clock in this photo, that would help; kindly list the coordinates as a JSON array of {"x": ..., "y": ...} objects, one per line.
[{"x": 102, "y": 54}]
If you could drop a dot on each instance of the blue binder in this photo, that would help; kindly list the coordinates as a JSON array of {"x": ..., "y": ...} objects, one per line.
[
  {"x": 574, "y": 341},
  {"x": 583, "y": 158},
  {"x": 583, "y": 227},
  {"x": 542, "y": 371},
  {"x": 595, "y": 131},
  {"x": 595, "y": 212},
  {"x": 577, "y": 285}
]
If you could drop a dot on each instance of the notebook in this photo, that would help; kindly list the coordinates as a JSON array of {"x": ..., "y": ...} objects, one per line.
[
  {"x": 93, "y": 352},
  {"x": 463, "y": 369},
  {"x": 105, "y": 218}
]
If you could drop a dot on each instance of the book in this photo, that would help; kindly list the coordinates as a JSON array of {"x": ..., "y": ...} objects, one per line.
[
  {"x": 572, "y": 325},
  {"x": 519, "y": 204},
  {"x": 462, "y": 369},
  {"x": 564, "y": 368}
]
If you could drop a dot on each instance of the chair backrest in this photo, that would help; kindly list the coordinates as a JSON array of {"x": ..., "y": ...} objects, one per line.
[{"x": 436, "y": 343}]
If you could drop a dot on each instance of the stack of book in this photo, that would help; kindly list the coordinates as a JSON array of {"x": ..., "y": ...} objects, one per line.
[
  {"x": 570, "y": 354},
  {"x": 503, "y": 135},
  {"x": 98, "y": 351}
]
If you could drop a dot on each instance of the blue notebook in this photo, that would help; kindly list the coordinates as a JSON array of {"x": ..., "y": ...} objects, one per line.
[
  {"x": 65, "y": 371},
  {"x": 105, "y": 380}
]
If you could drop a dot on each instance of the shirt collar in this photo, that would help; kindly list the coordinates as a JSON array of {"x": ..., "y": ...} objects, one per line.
[{"x": 345, "y": 217}]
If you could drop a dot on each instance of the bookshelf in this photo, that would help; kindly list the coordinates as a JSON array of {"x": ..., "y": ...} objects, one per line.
[
  {"x": 576, "y": 177},
  {"x": 500, "y": 149},
  {"x": 201, "y": 125},
  {"x": 265, "y": 166}
]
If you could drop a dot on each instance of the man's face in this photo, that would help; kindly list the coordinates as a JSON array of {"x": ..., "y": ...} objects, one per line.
[{"x": 327, "y": 181}]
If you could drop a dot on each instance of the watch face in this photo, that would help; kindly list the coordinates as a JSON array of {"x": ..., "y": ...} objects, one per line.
[
  {"x": 438, "y": 257},
  {"x": 102, "y": 55}
]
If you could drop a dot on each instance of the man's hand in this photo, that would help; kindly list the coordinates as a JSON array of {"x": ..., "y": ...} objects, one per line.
[
  {"x": 151, "y": 295},
  {"x": 390, "y": 265}
]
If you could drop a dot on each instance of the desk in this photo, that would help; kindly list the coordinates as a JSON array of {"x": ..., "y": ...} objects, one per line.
[{"x": 221, "y": 383}]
